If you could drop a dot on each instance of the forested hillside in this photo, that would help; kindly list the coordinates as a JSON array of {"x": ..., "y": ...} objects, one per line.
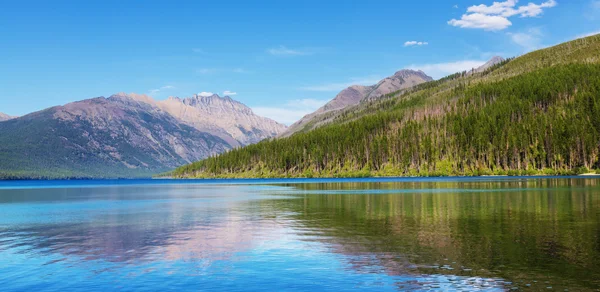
[{"x": 536, "y": 114}]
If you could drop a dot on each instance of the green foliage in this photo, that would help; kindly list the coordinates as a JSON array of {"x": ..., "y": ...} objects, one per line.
[{"x": 531, "y": 115}]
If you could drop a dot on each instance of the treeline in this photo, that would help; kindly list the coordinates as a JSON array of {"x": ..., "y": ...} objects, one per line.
[
  {"x": 546, "y": 121},
  {"x": 536, "y": 114}
]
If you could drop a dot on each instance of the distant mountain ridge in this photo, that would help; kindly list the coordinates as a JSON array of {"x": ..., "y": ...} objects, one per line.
[
  {"x": 492, "y": 62},
  {"x": 356, "y": 94},
  {"x": 223, "y": 117},
  {"x": 126, "y": 135},
  {"x": 5, "y": 117}
]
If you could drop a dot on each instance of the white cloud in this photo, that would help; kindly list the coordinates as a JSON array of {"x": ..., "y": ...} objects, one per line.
[
  {"x": 481, "y": 21},
  {"x": 533, "y": 10},
  {"x": 157, "y": 90},
  {"x": 229, "y": 93},
  {"x": 338, "y": 86},
  {"x": 440, "y": 70},
  {"x": 415, "y": 43},
  {"x": 530, "y": 40},
  {"x": 507, "y": 8},
  {"x": 284, "y": 51},
  {"x": 205, "y": 94},
  {"x": 198, "y": 51},
  {"x": 496, "y": 8},
  {"x": 495, "y": 16},
  {"x": 291, "y": 111}
]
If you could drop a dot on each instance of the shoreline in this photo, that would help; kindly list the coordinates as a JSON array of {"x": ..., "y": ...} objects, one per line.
[
  {"x": 242, "y": 176},
  {"x": 175, "y": 178}
]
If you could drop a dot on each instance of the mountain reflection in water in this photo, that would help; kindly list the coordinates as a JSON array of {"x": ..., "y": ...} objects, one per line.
[{"x": 479, "y": 234}]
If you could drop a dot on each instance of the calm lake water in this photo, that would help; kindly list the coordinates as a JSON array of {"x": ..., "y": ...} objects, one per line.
[{"x": 466, "y": 234}]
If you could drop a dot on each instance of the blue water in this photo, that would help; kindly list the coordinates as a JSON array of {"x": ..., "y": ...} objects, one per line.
[{"x": 263, "y": 235}]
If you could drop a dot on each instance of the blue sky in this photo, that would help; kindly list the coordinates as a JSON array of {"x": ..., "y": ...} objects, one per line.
[{"x": 282, "y": 58}]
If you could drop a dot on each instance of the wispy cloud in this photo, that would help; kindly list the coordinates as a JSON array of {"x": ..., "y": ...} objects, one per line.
[
  {"x": 158, "y": 90},
  {"x": 496, "y": 16},
  {"x": 415, "y": 43},
  {"x": 530, "y": 40},
  {"x": 290, "y": 112},
  {"x": 338, "y": 86},
  {"x": 284, "y": 51},
  {"x": 229, "y": 93},
  {"x": 439, "y": 70},
  {"x": 198, "y": 51}
]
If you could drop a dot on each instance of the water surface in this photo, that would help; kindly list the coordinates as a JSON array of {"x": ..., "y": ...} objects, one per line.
[{"x": 489, "y": 234}]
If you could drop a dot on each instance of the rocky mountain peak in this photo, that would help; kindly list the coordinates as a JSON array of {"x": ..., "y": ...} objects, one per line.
[
  {"x": 496, "y": 59},
  {"x": 212, "y": 98},
  {"x": 132, "y": 96},
  {"x": 493, "y": 61},
  {"x": 356, "y": 94},
  {"x": 216, "y": 103},
  {"x": 224, "y": 117},
  {"x": 406, "y": 73}
]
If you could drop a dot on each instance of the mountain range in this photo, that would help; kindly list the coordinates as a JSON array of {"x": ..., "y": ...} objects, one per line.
[
  {"x": 130, "y": 135},
  {"x": 537, "y": 114},
  {"x": 380, "y": 129},
  {"x": 126, "y": 135}
]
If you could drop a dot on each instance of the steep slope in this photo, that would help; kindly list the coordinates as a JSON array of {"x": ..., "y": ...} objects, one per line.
[
  {"x": 356, "y": 94},
  {"x": 222, "y": 117},
  {"x": 536, "y": 114},
  {"x": 119, "y": 136},
  {"x": 5, "y": 117}
]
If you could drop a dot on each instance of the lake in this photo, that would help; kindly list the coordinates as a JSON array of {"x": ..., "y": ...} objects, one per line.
[{"x": 458, "y": 234}]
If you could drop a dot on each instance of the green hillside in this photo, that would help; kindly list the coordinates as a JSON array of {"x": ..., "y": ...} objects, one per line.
[{"x": 536, "y": 114}]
